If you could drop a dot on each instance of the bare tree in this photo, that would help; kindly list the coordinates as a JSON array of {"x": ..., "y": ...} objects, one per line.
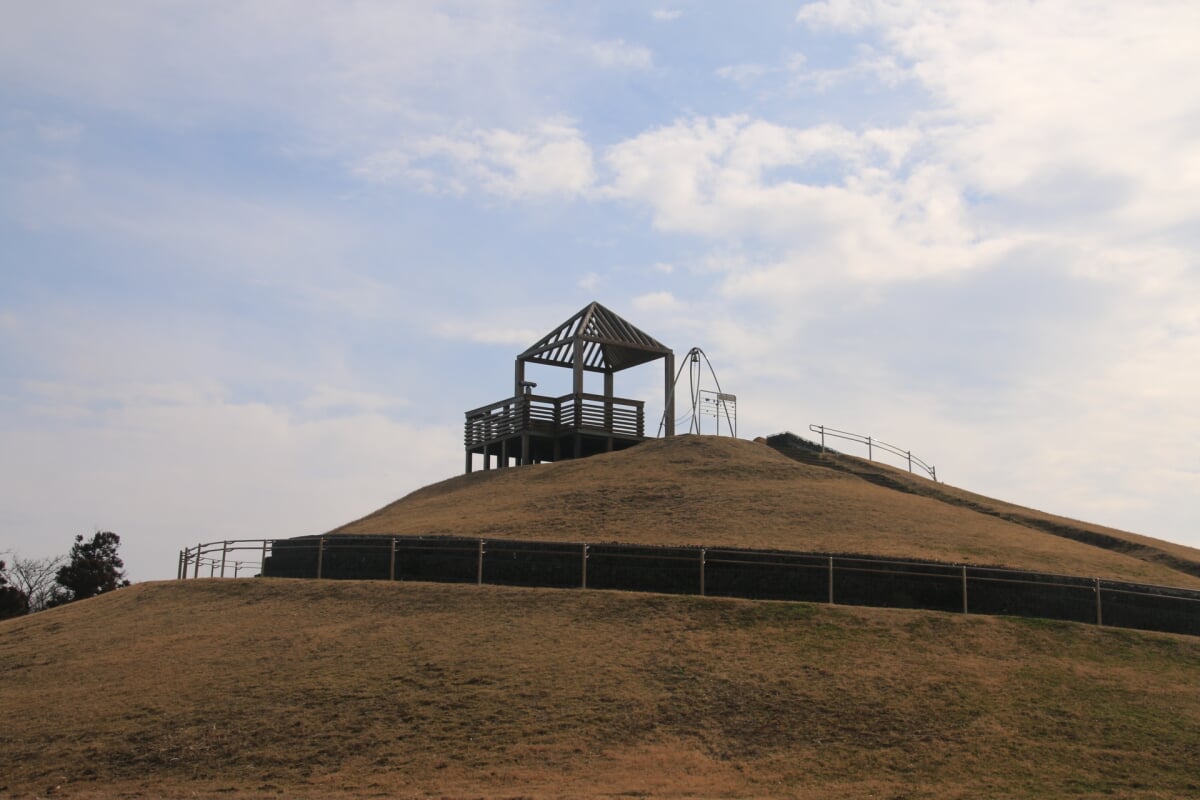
[
  {"x": 36, "y": 578},
  {"x": 13, "y": 602}
]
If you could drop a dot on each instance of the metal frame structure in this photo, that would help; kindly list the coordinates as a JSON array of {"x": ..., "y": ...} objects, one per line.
[{"x": 533, "y": 428}]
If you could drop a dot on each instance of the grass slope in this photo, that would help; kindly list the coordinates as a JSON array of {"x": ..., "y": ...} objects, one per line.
[
  {"x": 704, "y": 490},
  {"x": 353, "y": 689}
]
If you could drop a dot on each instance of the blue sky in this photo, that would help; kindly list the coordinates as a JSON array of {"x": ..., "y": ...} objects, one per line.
[{"x": 257, "y": 257}]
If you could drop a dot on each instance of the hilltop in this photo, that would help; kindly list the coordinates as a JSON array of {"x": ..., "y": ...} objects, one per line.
[{"x": 705, "y": 490}]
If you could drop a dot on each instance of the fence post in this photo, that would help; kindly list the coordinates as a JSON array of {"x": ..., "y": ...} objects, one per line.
[
  {"x": 933, "y": 471},
  {"x": 964, "y": 584},
  {"x": 320, "y": 556},
  {"x": 1099, "y": 616},
  {"x": 831, "y": 580},
  {"x": 392, "y": 562},
  {"x": 262, "y": 561},
  {"x": 479, "y": 566},
  {"x": 224, "y": 553},
  {"x": 583, "y": 567},
  {"x": 870, "y": 450},
  {"x": 822, "y": 427},
  {"x": 702, "y": 561},
  {"x": 910, "y": 460},
  {"x": 179, "y": 567},
  {"x": 196, "y": 568}
]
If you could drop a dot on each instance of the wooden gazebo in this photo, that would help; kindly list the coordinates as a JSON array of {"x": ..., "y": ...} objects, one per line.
[{"x": 532, "y": 428}]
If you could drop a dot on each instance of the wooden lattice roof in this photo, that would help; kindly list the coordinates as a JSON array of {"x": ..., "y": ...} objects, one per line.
[{"x": 609, "y": 343}]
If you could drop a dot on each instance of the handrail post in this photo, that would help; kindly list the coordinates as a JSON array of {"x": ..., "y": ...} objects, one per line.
[
  {"x": 224, "y": 553},
  {"x": 964, "y": 587},
  {"x": 392, "y": 562},
  {"x": 196, "y": 568},
  {"x": 870, "y": 450},
  {"x": 910, "y": 460},
  {"x": 583, "y": 567},
  {"x": 831, "y": 580},
  {"x": 262, "y": 560},
  {"x": 479, "y": 566},
  {"x": 320, "y": 556},
  {"x": 822, "y": 427},
  {"x": 179, "y": 567}
]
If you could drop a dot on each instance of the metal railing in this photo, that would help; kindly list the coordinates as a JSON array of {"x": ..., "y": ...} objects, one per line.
[
  {"x": 711, "y": 571},
  {"x": 873, "y": 444},
  {"x": 223, "y": 559}
]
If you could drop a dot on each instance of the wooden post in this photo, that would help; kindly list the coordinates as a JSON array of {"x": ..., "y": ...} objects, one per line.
[
  {"x": 320, "y": 556},
  {"x": 702, "y": 560},
  {"x": 479, "y": 566},
  {"x": 224, "y": 552},
  {"x": 822, "y": 427},
  {"x": 262, "y": 561},
  {"x": 392, "y": 562},
  {"x": 910, "y": 460},
  {"x": 608, "y": 402},
  {"x": 964, "y": 587},
  {"x": 870, "y": 452},
  {"x": 179, "y": 567},
  {"x": 196, "y": 570},
  {"x": 831, "y": 580},
  {"x": 583, "y": 567},
  {"x": 1099, "y": 615}
]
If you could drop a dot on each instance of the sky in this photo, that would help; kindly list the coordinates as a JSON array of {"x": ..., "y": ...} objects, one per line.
[{"x": 257, "y": 257}]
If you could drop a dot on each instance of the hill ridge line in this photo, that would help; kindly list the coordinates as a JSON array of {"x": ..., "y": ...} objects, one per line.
[{"x": 799, "y": 449}]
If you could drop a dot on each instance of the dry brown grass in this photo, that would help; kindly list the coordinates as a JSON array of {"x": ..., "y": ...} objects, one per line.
[
  {"x": 703, "y": 490},
  {"x": 273, "y": 688}
]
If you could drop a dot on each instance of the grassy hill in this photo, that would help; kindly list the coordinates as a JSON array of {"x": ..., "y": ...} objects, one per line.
[
  {"x": 274, "y": 688},
  {"x": 704, "y": 490},
  {"x": 295, "y": 688}
]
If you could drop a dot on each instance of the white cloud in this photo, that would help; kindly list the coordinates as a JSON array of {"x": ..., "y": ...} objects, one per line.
[
  {"x": 547, "y": 160},
  {"x": 666, "y": 15},
  {"x": 742, "y": 73},
  {"x": 853, "y": 203},
  {"x": 619, "y": 54},
  {"x": 657, "y": 301}
]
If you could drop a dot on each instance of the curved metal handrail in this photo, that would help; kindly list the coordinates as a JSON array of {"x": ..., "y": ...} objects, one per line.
[{"x": 873, "y": 443}]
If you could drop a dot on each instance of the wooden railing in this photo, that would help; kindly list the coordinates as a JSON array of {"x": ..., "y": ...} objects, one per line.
[{"x": 537, "y": 413}]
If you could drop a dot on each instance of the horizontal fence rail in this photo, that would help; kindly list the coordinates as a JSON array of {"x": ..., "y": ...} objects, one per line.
[
  {"x": 542, "y": 414},
  {"x": 872, "y": 445},
  {"x": 709, "y": 571}
]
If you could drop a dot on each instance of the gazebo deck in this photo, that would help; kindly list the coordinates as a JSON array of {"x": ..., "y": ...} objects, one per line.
[{"x": 551, "y": 428}]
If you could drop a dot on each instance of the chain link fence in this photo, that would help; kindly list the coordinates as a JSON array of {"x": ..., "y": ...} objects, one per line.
[{"x": 711, "y": 571}]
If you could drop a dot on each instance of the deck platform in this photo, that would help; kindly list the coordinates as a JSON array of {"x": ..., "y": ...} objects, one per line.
[{"x": 530, "y": 429}]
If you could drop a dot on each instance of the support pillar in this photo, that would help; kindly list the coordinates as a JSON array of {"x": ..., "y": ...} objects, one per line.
[{"x": 669, "y": 397}]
